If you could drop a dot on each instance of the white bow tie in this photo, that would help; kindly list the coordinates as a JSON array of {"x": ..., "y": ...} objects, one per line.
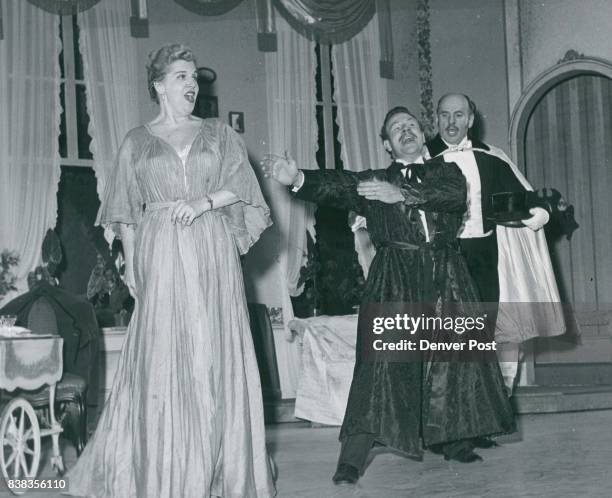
[{"x": 464, "y": 144}]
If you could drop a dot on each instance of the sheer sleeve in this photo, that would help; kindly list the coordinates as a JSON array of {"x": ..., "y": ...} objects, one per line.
[
  {"x": 122, "y": 201},
  {"x": 250, "y": 216}
]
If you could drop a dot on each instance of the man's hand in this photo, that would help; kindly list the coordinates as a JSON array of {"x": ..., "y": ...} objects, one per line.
[
  {"x": 279, "y": 168},
  {"x": 538, "y": 220},
  {"x": 378, "y": 190}
]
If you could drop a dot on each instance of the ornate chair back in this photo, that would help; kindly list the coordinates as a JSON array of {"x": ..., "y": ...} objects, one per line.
[{"x": 41, "y": 317}]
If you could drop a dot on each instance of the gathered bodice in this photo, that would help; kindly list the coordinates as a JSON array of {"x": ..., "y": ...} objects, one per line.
[{"x": 165, "y": 174}]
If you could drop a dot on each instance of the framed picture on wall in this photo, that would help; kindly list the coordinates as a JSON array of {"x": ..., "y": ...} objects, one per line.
[
  {"x": 236, "y": 121},
  {"x": 206, "y": 106}
]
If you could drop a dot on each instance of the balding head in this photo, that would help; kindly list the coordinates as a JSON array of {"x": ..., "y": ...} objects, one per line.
[{"x": 455, "y": 117}]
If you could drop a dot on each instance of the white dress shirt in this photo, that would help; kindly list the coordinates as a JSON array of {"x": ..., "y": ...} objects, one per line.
[{"x": 463, "y": 156}]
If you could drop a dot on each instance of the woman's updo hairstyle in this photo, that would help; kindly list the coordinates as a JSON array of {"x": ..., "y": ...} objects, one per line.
[{"x": 160, "y": 59}]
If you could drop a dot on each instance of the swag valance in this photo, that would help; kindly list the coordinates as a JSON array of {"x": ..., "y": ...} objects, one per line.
[
  {"x": 327, "y": 21},
  {"x": 139, "y": 23},
  {"x": 64, "y": 7},
  {"x": 208, "y": 7}
]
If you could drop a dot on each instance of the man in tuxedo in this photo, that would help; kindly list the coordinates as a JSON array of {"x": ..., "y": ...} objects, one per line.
[
  {"x": 413, "y": 211},
  {"x": 487, "y": 246}
]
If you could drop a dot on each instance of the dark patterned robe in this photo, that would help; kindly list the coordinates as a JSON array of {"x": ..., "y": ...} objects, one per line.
[{"x": 400, "y": 401}]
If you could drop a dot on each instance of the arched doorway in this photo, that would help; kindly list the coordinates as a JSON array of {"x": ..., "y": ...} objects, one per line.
[{"x": 562, "y": 138}]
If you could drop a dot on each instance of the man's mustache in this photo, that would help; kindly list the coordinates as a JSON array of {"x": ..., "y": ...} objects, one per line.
[{"x": 408, "y": 135}]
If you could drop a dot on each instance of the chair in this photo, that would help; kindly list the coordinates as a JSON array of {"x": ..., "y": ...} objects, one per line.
[{"x": 70, "y": 391}]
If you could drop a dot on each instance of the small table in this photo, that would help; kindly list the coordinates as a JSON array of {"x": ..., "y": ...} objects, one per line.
[{"x": 28, "y": 362}]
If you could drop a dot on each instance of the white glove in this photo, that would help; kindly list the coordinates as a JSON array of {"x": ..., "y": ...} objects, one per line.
[
  {"x": 538, "y": 220},
  {"x": 360, "y": 222}
]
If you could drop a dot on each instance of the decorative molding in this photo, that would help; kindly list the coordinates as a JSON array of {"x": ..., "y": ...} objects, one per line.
[
  {"x": 571, "y": 55},
  {"x": 424, "y": 67}
]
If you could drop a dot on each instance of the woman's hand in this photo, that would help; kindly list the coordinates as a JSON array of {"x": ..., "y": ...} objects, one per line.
[
  {"x": 377, "y": 190},
  {"x": 184, "y": 212},
  {"x": 282, "y": 169}
]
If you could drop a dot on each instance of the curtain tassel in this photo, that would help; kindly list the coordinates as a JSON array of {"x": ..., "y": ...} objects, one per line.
[
  {"x": 139, "y": 22},
  {"x": 386, "y": 39},
  {"x": 266, "y": 26}
]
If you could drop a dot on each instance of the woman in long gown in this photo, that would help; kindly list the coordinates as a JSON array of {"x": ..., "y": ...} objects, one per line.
[{"x": 185, "y": 414}]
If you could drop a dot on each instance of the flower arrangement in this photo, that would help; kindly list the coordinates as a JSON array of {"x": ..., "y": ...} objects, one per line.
[
  {"x": 8, "y": 260},
  {"x": 51, "y": 257}
]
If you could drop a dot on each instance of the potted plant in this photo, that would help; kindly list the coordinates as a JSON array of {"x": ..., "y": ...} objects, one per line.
[{"x": 8, "y": 260}]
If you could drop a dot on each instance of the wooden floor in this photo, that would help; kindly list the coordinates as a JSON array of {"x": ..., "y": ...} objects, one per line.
[{"x": 557, "y": 456}]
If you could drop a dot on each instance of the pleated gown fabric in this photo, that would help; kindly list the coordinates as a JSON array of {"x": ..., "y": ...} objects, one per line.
[{"x": 185, "y": 414}]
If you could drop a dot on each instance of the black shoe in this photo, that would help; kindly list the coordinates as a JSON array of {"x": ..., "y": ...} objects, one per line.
[
  {"x": 437, "y": 449},
  {"x": 346, "y": 474},
  {"x": 465, "y": 455},
  {"x": 484, "y": 442}
]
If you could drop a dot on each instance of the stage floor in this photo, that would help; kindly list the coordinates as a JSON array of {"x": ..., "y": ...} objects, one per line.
[{"x": 556, "y": 455}]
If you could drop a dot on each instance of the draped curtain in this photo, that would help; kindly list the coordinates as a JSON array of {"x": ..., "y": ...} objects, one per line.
[
  {"x": 64, "y": 7},
  {"x": 208, "y": 7},
  {"x": 361, "y": 97},
  {"x": 110, "y": 67},
  {"x": 290, "y": 82},
  {"x": 327, "y": 21},
  {"x": 567, "y": 146},
  {"x": 29, "y": 150}
]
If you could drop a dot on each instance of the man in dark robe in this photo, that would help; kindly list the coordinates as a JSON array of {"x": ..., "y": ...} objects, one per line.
[
  {"x": 488, "y": 171},
  {"x": 413, "y": 212}
]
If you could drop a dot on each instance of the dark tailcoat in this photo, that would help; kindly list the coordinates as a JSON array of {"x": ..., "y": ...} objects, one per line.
[
  {"x": 495, "y": 175},
  {"x": 400, "y": 401}
]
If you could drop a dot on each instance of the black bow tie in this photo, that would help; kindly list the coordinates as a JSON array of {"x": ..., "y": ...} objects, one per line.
[{"x": 411, "y": 170}]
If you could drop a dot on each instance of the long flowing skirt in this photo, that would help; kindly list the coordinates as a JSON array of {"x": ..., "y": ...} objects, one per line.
[{"x": 185, "y": 415}]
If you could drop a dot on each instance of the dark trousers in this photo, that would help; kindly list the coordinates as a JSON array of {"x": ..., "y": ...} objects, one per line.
[
  {"x": 481, "y": 258},
  {"x": 355, "y": 449}
]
